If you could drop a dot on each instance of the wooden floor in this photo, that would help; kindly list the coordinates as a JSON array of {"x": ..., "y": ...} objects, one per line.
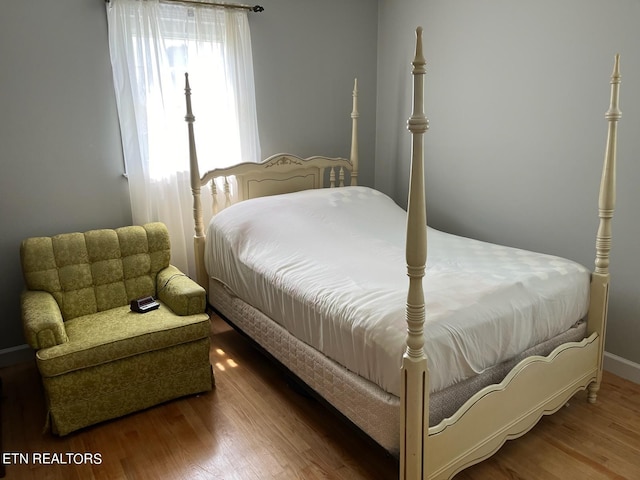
[{"x": 255, "y": 426}]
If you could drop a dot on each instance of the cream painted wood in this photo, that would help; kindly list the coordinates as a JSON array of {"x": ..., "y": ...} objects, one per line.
[
  {"x": 354, "y": 134},
  {"x": 414, "y": 393},
  {"x": 537, "y": 386},
  {"x": 281, "y": 173},
  {"x": 599, "y": 300},
  {"x": 194, "y": 171}
]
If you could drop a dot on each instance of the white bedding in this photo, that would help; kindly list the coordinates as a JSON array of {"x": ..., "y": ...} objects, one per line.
[{"x": 329, "y": 266}]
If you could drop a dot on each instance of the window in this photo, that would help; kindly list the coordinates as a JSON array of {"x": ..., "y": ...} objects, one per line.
[
  {"x": 152, "y": 44},
  {"x": 215, "y": 108}
]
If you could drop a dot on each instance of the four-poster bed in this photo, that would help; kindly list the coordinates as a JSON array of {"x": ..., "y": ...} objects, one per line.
[{"x": 267, "y": 281}]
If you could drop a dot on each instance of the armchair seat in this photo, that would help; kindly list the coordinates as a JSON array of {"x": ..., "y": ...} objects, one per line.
[
  {"x": 117, "y": 334},
  {"x": 98, "y": 359}
]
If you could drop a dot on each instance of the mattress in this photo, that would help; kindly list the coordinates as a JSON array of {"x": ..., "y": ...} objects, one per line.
[{"x": 328, "y": 266}]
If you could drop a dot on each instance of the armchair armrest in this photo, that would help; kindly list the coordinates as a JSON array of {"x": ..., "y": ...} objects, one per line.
[
  {"x": 42, "y": 320},
  {"x": 179, "y": 292}
]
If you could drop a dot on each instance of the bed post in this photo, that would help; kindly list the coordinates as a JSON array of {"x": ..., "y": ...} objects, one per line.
[
  {"x": 414, "y": 393},
  {"x": 199, "y": 238},
  {"x": 354, "y": 135},
  {"x": 597, "y": 319}
]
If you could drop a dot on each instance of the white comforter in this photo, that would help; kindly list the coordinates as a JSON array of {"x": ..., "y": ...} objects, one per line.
[{"x": 329, "y": 265}]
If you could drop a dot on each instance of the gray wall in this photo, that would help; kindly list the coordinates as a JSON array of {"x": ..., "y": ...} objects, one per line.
[
  {"x": 516, "y": 94},
  {"x": 59, "y": 138},
  {"x": 59, "y": 135},
  {"x": 306, "y": 56}
]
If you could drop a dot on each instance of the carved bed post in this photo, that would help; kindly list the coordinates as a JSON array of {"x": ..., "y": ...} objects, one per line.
[
  {"x": 354, "y": 135},
  {"x": 597, "y": 319},
  {"x": 214, "y": 196},
  {"x": 199, "y": 237},
  {"x": 414, "y": 393},
  {"x": 227, "y": 192}
]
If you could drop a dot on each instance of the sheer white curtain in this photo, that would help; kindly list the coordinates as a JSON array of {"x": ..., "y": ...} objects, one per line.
[{"x": 152, "y": 45}]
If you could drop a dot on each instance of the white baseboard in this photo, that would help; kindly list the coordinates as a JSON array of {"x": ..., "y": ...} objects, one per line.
[
  {"x": 622, "y": 367},
  {"x": 13, "y": 355}
]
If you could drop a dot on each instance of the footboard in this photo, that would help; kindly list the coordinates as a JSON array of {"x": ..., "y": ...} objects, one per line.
[{"x": 537, "y": 386}]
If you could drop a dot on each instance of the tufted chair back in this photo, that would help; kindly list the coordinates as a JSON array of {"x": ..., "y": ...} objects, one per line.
[{"x": 96, "y": 270}]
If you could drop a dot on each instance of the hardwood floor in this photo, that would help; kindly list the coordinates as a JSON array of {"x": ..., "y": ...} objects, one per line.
[{"x": 255, "y": 426}]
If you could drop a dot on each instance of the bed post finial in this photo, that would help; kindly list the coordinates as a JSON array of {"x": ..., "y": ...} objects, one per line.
[
  {"x": 193, "y": 161},
  {"x": 607, "y": 199},
  {"x": 199, "y": 237},
  {"x": 414, "y": 401},
  {"x": 419, "y": 56},
  {"x": 354, "y": 135},
  {"x": 598, "y": 306}
]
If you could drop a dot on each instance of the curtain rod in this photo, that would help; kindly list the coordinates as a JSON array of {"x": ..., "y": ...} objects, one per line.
[{"x": 256, "y": 8}]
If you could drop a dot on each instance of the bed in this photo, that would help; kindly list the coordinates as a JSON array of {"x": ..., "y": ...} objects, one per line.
[{"x": 318, "y": 278}]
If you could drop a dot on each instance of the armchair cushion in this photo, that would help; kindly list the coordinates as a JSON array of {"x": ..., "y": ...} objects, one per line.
[{"x": 116, "y": 334}]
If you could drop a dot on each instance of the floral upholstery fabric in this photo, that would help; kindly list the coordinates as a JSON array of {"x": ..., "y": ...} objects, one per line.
[
  {"x": 111, "y": 390},
  {"x": 118, "y": 333},
  {"x": 42, "y": 320},
  {"x": 98, "y": 359}
]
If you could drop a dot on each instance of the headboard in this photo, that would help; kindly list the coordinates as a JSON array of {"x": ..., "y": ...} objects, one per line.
[{"x": 280, "y": 173}]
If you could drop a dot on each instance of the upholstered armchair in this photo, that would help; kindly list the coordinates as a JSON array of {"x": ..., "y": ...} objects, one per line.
[{"x": 98, "y": 359}]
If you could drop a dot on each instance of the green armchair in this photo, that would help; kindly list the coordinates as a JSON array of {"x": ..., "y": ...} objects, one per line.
[{"x": 98, "y": 359}]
